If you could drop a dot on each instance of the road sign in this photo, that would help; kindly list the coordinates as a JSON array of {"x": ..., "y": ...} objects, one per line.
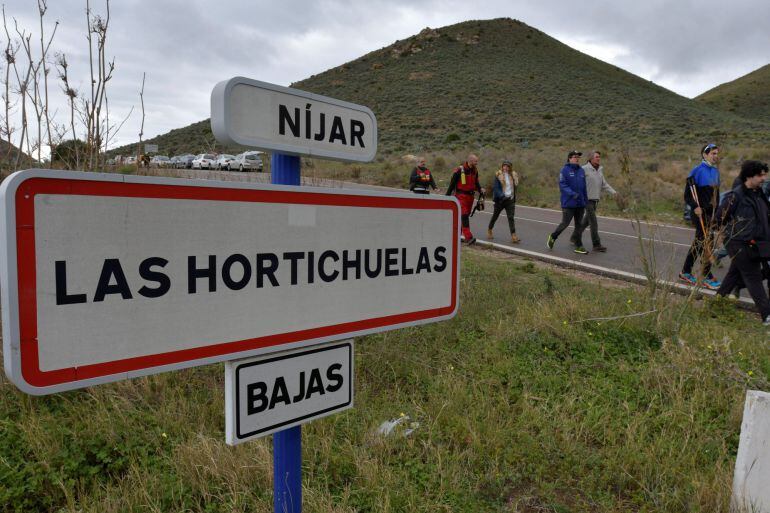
[
  {"x": 275, "y": 392},
  {"x": 293, "y": 122},
  {"x": 107, "y": 277},
  {"x": 151, "y": 148}
]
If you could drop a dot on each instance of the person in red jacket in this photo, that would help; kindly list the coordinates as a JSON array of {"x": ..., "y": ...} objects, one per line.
[
  {"x": 464, "y": 185},
  {"x": 421, "y": 179}
]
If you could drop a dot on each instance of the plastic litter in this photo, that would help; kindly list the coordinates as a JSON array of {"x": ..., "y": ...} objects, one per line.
[{"x": 400, "y": 425}]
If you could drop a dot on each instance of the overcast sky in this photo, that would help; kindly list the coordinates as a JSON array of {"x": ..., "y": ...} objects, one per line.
[{"x": 187, "y": 46}]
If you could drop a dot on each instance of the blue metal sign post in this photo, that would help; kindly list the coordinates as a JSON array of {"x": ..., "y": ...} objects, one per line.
[{"x": 287, "y": 444}]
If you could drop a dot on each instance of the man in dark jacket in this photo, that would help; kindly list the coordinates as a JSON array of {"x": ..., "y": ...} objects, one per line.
[
  {"x": 574, "y": 198},
  {"x": 421, "y": 179},
  {"x": 705, "y": 178},
  {"x": 744, "y": 215}
]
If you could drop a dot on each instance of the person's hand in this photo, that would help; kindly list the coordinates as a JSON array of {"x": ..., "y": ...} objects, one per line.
[{"x": 698, "y": 211}]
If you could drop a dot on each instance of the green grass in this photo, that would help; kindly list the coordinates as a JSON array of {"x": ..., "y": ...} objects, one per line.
[{"x": 524, "y": 404}]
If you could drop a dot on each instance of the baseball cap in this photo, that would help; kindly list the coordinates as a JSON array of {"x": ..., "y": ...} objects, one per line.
[
  {"x": 507, "y": 162},
  {"x": 573, "y": 153}
]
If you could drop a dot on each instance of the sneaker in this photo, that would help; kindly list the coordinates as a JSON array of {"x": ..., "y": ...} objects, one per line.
[
  {"x": 515, "y": 239},
  {"x": 489, "y": 234},
  {"x": 711, "y": 283},
  {"x": 766, "y": 322},
  {"x": 550, "y": 242},
  {"x": 600, "y": 248},
  {"x": 472, "y": 241},
  {"x": 581, "y": 250},
  {"x": 688, "y": 278}
]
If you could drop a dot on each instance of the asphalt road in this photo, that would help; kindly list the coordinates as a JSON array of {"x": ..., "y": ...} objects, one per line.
[{"x": 664, "y": 245}]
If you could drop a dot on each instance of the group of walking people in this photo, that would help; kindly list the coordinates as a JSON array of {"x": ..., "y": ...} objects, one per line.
[
  {"x": 580, "y": 187},
  {"x": 739, "y": 218}
]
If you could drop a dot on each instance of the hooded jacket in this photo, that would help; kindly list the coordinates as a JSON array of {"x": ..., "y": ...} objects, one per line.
[
  {"x": 572, "y": 184},
  {"x": 706, "y": 180}
]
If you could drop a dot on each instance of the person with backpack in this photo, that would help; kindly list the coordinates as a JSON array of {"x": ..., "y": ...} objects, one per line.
[
  {"x": 464, "y": 185},
  {"x": 421, "y": 179},
  {"x": 701, "y": 193},
  {"x": 595, "y": 184},
  {"x": 504, "y": 197},
  {"x": 745, "y": 216},
  {"x": 574, "y": 198}
]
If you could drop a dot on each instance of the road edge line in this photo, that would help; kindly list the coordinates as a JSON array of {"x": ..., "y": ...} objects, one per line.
[{"x": 616, "y": 274}]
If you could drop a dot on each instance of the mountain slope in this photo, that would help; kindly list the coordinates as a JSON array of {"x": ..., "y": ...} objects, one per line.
[
  {"x": 500, "y": 82},
  {"x": 747, "y": 96}
]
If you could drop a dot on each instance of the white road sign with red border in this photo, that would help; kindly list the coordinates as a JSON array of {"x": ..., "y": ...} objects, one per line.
[{"x": 107, "y": 277}]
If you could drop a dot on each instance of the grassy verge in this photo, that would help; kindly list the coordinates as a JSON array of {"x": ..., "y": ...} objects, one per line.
[{"x": 524, "y": 404}]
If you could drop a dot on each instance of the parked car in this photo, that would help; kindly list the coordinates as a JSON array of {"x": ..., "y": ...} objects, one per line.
[
  {"x": 204, "y": 161},
  {"x": 159, "y": 161},
  {"x": 247, "y": 161},
  {"x": 223, "y": 161},
  {"x": 130, "y": 160},
  {"x": 185, "y": 161}
]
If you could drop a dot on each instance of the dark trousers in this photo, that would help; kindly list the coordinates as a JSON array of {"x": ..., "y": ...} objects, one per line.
[
  {"x": 567, "y": 214},
  {"x": 698, "y": 247},
  {"x": 510, "y": 207},
  {"x": 743, "y": 268},
  {"x": 590, "y": 219}
]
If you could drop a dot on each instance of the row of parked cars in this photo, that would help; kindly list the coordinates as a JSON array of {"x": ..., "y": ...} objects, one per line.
[{"x": 246, "y": 161}]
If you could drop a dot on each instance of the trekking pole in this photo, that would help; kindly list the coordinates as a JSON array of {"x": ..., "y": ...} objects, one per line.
[{"x": 694, "y": 192}]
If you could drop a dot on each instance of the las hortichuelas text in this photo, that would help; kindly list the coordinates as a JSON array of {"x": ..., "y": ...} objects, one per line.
[{"x": 223, "y": 272}]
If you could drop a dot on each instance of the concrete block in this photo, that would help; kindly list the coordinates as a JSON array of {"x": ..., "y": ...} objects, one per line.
[{"x": 751, "y": 483}]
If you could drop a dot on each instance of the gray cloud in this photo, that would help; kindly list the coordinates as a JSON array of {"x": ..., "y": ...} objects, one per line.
[{"x": 186, "y": 46}]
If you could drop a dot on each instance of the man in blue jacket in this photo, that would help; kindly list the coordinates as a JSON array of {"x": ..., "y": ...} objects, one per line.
[
  {"x": 704, "y": 179},
  {"x": 574, "y": 198}
]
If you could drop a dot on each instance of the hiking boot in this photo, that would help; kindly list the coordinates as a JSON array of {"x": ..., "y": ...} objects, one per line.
[
  {"x": 711, "y": 283},
  {"x": 600, "y": 248},
  {"x": 489, "y": 234},
  {"x": 688, "y": 278},
  {"x": 550, "y": 242},
  {"x": 581, "y": 250},
  {"x": 515, "y": 239}
]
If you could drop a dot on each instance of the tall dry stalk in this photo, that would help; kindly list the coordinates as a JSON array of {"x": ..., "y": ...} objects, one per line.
[
  {"x": 29, "y": 123},
  {"x": 141, "y": 127},
  {"x": 659, "y": 276}
]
